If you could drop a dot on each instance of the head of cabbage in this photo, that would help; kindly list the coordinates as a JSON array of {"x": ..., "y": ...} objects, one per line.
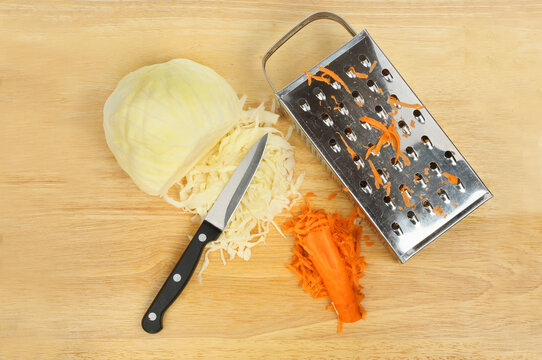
[{"x": 162, "y": 119}]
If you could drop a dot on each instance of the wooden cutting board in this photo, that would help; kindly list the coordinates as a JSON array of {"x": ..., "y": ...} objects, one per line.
[{"x": 83, "y": 251}]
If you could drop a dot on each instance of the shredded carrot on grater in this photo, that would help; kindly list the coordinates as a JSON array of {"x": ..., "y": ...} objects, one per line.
[
  {"x": 394, "y": 101},
  {"x": 378, "y": 180},
  {"x": 334, "y": 76},
  {"x": 372, "y": 67},
  {"x": 388, "y": 188},
  {"x": 327, "y": 259},
  {"x": 412, "y": 123},
  {"x": 359, "y": 75},
  {"x": 438, "y": 210},
  {"x": 389, "y": 134},
  {"x": 369, "y": 149},
  {"x": 451, "y": 178},
  {"x": 315, "y": 77},
  {"x": 335, "y": 99},
  {"x": 348, "y": 148}
]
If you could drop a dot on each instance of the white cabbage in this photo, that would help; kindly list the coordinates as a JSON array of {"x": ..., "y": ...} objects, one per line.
[{"x": 162, "y": 119}]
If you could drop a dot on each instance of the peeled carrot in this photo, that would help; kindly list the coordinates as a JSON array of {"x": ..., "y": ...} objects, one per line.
[
  {"x": 330, "y": 265},
  {"x": 327, "y": 258}
]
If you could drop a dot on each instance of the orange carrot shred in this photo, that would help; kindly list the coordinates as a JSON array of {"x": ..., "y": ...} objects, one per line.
[
  {"x": 309, "y": 194},
  {"x": 348, "y": 148},
  {"x": 332, "y": 196},
  {"x": 316, "y": 77},
  {"x": 394, "y": 101},
  {"x": 372, "y": 67},
  {"x": 334, "y": 76},
  {"x": 359, "y": 75},
  {"x": 309, "y": 77},
  {"x": 438, "y": 210},
  {"x": 412, "y": 123},
  {"x": 388, "y": 188},
  {"x": 451, "y": 178},
  {"x": 378, "y": 180}
]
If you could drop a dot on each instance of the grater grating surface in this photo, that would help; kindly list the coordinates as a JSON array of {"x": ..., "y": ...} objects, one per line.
[{"x": 410, "y": 201}]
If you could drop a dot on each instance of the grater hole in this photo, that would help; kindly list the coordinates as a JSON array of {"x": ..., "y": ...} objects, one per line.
[
  {"x": 460, "y": 185},
  {"x": 319, "y": 93},
  {"x": 372, "y": 86},
  {"x": 433, "y": 166},
  {"x": 397, "y": 165},
  {"x": 364, "y": 60},
  {"x": 443, "y": 195},
  {"x": 357, "y": 160},
  {"x": 365, "y": 187},
  {"x": 427, "y": 142},
  {"x": 348, "y": 70},
  {"x": 418, "y": 179},
  {"x": 418, "y": 116},
  {"x": 382, "y": 175},
  {"x": 412, "y": 217},
  {"x": 327, "y": 119},
  {"x": 336, "y": 85},
  {"x": 387, "y": 75},
  {"x": 393, "y": 96},
  {"x": 428, "y": 206},
  {"x": 334, "y": 146},
  {"x": 403, "y": 188},
  {"x": 365, "y": 125},
  {"x": 450, "y": 157},
  {"x": 404, "y": 127},
  {"x": 304, "y": 104},
  {"x": 411, "y": 152},
  {"x": 358, "y": 98},
  {"x": 396, "y": 229},
  {"x": 389, "y": 202},
  {"x": 350, "y": 134},
  {"x": 343, "y": 110},
  {"x": 381, "y": 112}
]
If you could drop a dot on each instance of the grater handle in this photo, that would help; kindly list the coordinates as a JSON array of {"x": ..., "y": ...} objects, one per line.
[{"x": 316, "y": 16}]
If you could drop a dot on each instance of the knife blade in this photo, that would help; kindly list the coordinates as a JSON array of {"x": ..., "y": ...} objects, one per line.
[{"x": 213, "y": 225}]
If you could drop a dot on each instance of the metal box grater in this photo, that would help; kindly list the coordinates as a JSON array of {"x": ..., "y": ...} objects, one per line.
[{"x": 411, "y": 199}]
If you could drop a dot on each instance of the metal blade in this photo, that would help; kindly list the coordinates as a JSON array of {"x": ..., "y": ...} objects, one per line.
[{"x": 233, "y": 192}]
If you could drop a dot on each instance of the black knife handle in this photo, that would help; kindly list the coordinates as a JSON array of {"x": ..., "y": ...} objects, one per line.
[{"x": 177, "y": 280}]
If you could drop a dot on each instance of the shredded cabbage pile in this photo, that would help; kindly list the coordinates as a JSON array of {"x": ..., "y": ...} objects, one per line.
[{"x": 271, "y": 191}]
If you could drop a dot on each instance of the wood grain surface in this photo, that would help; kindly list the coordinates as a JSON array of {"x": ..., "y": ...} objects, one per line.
[{"x": 83, "y": 251}]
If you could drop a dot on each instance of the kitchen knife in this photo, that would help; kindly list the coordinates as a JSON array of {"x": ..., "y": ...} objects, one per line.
[{"x": 215, "y": 222}]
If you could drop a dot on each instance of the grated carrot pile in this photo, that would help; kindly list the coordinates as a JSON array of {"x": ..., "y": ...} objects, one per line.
[{"x": 327, "y": 259}]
